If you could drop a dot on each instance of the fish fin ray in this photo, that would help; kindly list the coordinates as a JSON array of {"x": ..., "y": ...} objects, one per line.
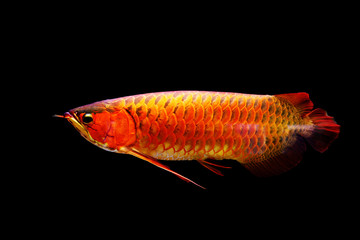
[
  {"x": 325, "y": 130},
  {"x": 213, "y": 164},
  {"x": 301, "y": 101},
  {"x": 156, "y": 162},
  {"x": 214, "y": 170},
  {"x": 281, "y": 162},
  {"x": 207, "y": 164}
]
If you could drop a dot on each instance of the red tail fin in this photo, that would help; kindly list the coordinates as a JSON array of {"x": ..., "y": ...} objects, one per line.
[{"x": 325, "y": 132}]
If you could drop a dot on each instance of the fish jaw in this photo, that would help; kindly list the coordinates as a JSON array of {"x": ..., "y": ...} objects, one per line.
[
  {"x": 78, "y": 126},
  {"x": 72, "y": 118}
]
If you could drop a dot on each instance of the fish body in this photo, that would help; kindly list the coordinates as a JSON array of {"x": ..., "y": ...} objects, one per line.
[{"x": 265, "y": 133}]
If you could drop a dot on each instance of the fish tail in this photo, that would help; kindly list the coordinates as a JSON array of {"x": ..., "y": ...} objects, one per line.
[{"x": 324, "y": 132}]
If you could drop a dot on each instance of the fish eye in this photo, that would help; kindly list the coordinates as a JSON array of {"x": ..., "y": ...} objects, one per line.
[{"x": 87, "y": 118}]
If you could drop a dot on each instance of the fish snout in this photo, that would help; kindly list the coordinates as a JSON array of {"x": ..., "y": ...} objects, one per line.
[{"x": 66, "y": 115}]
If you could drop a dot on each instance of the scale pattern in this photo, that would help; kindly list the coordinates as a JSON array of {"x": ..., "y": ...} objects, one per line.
[{"x": 212, "y": 125}]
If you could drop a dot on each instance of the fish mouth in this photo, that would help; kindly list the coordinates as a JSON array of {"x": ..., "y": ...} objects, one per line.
[{"x": 73, "y": 119}]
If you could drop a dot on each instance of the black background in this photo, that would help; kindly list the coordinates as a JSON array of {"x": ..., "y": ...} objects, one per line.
[{"x": 79, "y": 59}]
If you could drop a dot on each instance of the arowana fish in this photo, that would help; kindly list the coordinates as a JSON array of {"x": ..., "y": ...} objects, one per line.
[{"x": 265, "y": 133}]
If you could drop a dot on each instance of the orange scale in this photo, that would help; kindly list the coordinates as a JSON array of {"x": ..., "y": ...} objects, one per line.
[
  {"x": 265, "y": 118},
  {"x": 249, "y": 103},
  {"x": 162, "y": 117},
  {"x": 208, "y": 115},
  {"x": 171, "y": 123},
  {"x": 226, "y": 115},
  {"x": 179, "y": 111},
  {"x": 244, "y": 129},
  {"x": 170, "y": 141},
  {"x": 243, "y": 115},
  {"x": 235, "y": 115},
  {"x": 257, "y": 104},
  {"x": 241, "y": 103},
  {"x": 162, "y": 135},
  {"x": 253, "y": 142},
  {"x": 189, "y": 113},
  {"x": 229, "y": 142},
  {"x": 219, "y": 144},
  {"x": 237, "y": 143},
  {"x": 200, "y": 130},
  {"x": 209, "y": 144},
  {"x": 209, "y": 130},
  {"x": 217, "y": 114},
  {"x": 145, "y": 125},
  {"x": 144, "y": 141},
  {"x": 141, "y": 112},
  {"x": 179, "y": 144},
  {"x": 180, "y": 128},
  {"x": 245, "y": 142},
  {"x": 199, "y": 114},
  {"x": 258, "y": 116},
  {"x": 190, "y": 130},
  {"x": 218, "y": 130},
  {"x": 264, "y": 105},
  {"x": 260, "y": 141},
  {"x": 154, "y": 129},
  {"x": 152, "y": 113},
  {"x": 251, "y": 129},
  {"x": 199, "y": 145},
  {"x": 251, "y": 116},
  {"x": 228, "y": 130},
  {"x": 189, "y": 145}
]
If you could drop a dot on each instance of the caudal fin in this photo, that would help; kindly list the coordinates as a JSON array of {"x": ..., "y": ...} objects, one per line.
[{"x": 326, "y": 130}]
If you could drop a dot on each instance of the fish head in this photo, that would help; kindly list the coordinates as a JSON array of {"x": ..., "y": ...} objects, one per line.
[{"x": 110, "y": 129}]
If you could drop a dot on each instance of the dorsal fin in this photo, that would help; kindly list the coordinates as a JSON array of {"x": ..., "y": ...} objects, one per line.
[{"x": 300, "y": 100}]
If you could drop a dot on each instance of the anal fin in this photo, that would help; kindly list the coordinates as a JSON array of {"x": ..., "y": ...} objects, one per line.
[{"x": 281, "y": 162}]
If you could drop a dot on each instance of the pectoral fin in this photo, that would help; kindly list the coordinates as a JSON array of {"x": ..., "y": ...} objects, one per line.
[{"x": 154, "y": 161}]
